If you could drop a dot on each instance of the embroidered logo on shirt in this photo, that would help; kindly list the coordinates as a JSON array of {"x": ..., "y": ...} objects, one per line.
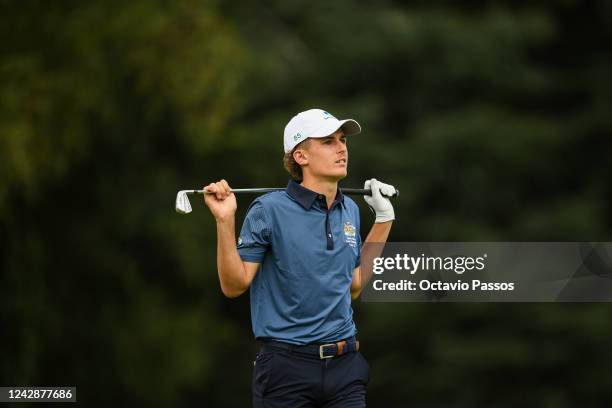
[{"x": 350, "y": 234}]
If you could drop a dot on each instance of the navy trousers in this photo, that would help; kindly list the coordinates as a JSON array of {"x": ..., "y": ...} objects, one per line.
[{"x": 289, "y": 378}]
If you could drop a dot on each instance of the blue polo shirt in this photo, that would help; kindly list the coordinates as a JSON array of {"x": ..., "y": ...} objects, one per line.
[{"x": 301, "y": 292}]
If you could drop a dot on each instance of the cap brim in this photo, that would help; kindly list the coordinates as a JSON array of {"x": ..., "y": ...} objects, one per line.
[{"x": 349, "y": 127}]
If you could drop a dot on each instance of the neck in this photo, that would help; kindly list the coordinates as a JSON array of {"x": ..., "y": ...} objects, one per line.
[{"x": 328, "y": 188}]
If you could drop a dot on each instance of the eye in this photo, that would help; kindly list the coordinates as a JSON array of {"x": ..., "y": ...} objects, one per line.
[{"x": 326, "y": 141}]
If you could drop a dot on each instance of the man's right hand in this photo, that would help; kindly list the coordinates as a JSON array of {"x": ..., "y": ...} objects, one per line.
[{"x": 222, "y": 203}]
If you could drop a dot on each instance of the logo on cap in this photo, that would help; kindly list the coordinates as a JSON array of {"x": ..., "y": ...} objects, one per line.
[
  {"x": 327, "y": 115},
  {"x": 297, "y": 136}
]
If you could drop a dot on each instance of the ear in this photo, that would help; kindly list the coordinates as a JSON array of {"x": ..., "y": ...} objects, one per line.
[{"x": 300, "y": 157}]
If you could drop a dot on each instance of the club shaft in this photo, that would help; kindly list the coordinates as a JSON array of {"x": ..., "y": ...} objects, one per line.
[{"x": 350, "y": 191}]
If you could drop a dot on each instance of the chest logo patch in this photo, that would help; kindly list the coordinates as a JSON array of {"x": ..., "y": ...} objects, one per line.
[{"x": 350, "y": 234}]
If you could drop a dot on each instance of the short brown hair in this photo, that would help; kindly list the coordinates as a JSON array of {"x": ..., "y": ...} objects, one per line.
[{"x": 291, "y": 165}]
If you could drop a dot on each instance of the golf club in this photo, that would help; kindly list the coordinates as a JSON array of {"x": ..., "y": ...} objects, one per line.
[{"x": 183, "y": 206}]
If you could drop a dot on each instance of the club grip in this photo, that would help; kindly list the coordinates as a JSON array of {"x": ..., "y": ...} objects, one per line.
[{"x": 363, "y": 191}]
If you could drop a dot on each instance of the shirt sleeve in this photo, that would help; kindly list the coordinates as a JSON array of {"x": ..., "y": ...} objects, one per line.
[
  {"x": 358, "y": 236},
  {"x": 254, "y": 239}
]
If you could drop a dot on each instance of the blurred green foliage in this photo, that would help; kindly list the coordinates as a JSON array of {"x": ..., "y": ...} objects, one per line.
[{"x": 492, "y": 118}]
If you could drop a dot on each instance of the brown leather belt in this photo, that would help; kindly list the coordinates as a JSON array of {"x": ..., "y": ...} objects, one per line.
[{"x": 323, "y": 351}]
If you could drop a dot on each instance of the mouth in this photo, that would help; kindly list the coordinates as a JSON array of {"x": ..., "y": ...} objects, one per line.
[{"x": 341, "y": 161}]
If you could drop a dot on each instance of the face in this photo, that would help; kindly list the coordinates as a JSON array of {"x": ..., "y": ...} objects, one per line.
[{"x": 326, "y": 158}]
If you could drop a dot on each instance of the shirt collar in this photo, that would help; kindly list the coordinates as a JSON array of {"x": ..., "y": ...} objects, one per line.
[{"x": 306, "y": 197}]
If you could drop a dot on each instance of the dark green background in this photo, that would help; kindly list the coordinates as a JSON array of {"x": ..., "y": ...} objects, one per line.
[{"x": 493, "y": 119}]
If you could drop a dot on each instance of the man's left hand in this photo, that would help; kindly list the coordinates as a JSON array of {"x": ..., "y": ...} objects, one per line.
[{"x": 378, "y": 202}]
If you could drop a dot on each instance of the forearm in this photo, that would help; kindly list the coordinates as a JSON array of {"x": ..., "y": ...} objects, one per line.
[
  {"x": 232, "y": 275},
  {"x": 379, "y": 233}
]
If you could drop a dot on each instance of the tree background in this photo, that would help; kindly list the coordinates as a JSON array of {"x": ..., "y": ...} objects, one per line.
[{"x": 493, "y": 118}]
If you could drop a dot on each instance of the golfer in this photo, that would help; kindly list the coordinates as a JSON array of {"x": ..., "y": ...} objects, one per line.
[{"x": 299, "y": 253}]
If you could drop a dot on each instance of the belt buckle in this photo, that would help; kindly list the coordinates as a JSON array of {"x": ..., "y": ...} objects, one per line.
[{"x": 322, "y": 349}]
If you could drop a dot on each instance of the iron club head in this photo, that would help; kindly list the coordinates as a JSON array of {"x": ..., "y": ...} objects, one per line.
[{"x": 183, "y": 206}]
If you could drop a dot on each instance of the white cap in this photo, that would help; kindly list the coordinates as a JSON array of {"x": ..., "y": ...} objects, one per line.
[{"x": 316, "y": 123}]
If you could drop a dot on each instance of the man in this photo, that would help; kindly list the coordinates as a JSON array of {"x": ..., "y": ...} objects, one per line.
[{"x": 299, "y": 252}]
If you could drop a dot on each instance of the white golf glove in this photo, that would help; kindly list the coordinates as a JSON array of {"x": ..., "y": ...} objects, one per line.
[{"x": 381, "y": 205}]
